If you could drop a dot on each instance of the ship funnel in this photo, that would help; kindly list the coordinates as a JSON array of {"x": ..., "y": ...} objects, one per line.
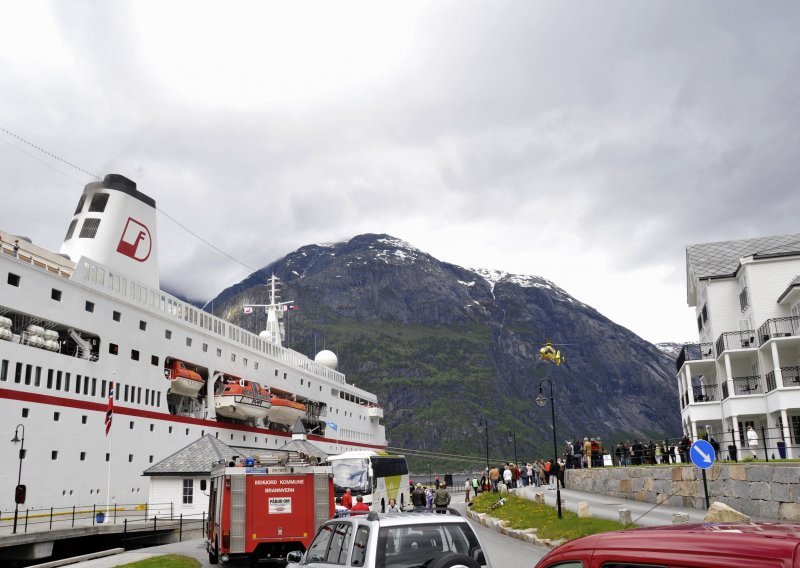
[{"x": 115, "y": 225}]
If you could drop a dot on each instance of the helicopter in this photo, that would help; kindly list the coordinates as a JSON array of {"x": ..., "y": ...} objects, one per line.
[{"x": 548, "y": 353}]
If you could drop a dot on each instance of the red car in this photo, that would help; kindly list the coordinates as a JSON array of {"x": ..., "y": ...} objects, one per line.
[{"x": 714, "y": 545}]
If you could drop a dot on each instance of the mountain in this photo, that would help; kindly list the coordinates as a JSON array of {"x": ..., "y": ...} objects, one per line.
[{"x": 444, "y": 346}]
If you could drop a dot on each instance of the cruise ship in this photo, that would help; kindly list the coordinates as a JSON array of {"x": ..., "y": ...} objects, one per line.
[{"x": 76, "y": 322}]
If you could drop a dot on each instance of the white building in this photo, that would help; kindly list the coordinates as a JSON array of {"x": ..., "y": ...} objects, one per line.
[{"x": 745, "y": 369}]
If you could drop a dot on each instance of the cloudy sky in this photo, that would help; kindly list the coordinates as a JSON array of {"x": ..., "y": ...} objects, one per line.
[{"x": 587, "y": 143}]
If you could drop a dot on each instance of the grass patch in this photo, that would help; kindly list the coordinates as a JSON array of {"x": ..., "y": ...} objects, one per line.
[
  {"x": 526, "y": 514},
  {"x": 166, "y": 561}
]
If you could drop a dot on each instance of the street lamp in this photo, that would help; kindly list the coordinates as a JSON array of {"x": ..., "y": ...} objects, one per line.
[
  {"x": 541, "y": 400},
  {"x": 483, "y": 426},
  {"x": 19, "y": 493},
  {"x": 512, "y": 436}
]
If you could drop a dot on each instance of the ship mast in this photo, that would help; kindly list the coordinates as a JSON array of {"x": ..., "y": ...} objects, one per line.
[{"x": 274, "y": 311}]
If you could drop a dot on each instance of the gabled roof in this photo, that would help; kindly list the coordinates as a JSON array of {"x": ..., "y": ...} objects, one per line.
[
  {"x": 722, "y": 259},
  {"x": 195, "y": 459}
]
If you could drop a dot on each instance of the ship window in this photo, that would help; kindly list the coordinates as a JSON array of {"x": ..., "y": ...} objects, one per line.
[
  {"x": 86, "y": 385},
  {"x": 158, "y": 403},
  {"x": 83, "y": 456},
  {"x": 103, "y": 388},
  {"x": 49, "y": 378},
  {"x": 28, "y": 371},
  {"x": 244, "y": 360},
  {"x": 152, "y": 427},
  {"x": 301, "y": 382},
  {"x": 187, "y": 431},
  {"x": 138, "y": 395},
  {"x": 205, "y": 347},
  {"x": 143, "y": 325},
  {"x": 167, "y": 334},
  {"x": 255, "y": 365},
  {"x": 89, "y": 306},
  {"x": 81, "y": 201},
  {"x": 58, "y": 380},
  {"x": 37, "y": 381},
  {"x": 89, "y": 229},
  {"x": 54, "y": 455},
  {"x": 98, "y": 204},
  {"x": 276, "y": 372},
  {"x": 71, "y": 229},
  {"x": 131, "y": 425},
  {"x": 13, "y": 279},
  {"x": 94, "y": 386},
  {"x": 233, "y": 356},
  {"x": 151, "y": 459},
  {"x": 219, "y": 352},
  {"x": 134, "y": 354},
  {"x": 188, "y": 491},
  {"x": 188, "y": 342},
  {"x": 4, "y": 370},
  {"x": 127, "y": 388},
  {"x": 77, "y": 384},
  {"x": 55, "y": 295},
  {"x": 147, "y": 402},
  {"x": 108, "y": 457},
  {"x": 130, "y": 460},
  {"x": 154, "y": 360},
  {"x": 83, "y": 419},
  {"x": 170, "y": 429},
  {"x": 116, "y": 316},
  {"x": 113, "y": 348},
  {"x": 25, "y": 412},
  {"x": 56, "y": 416},
  {"x": 66, "y": 382}
]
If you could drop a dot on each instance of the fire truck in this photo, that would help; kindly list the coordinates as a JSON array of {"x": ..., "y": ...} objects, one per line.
[{"x": 265, "y": 507}]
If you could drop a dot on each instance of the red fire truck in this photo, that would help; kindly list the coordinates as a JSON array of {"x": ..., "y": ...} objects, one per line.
[{"x": 264, "y": 508}]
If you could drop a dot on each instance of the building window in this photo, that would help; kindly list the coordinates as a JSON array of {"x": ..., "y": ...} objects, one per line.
[
  {"x": 13, "y": 279},
  {"x": 89, "y": 307},
  {"x": 55, "y": 295},
  {"x": 116, "y": 316},
  {"x": 142, "y": 325},
  {"x": 188, "y": 491},
  {"x": 796, "y": 429}
]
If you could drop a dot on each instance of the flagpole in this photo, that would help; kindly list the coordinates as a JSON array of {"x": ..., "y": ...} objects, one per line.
[{"x": 110, "y": 434}]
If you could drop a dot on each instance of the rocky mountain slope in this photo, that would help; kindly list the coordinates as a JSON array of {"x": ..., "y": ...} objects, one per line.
[{"x": 444, "y": 346}]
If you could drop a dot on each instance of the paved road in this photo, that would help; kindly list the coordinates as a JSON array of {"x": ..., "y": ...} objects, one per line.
[{"x": 502, "y": 551}]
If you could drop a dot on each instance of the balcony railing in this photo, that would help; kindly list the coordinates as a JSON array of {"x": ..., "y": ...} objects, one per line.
[
  {"x": 705, "y": 393},
  {"x": 778, "y": 327},
  {"x": 771, "y": 385},
  {"x": 791, "y": 376},
  {"x": 736, "y": 340},
  {"x": 694, "y": 352},
  {"x": 747, "y": 385}
]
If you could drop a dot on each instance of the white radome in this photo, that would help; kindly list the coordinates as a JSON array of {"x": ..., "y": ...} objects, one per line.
[{"x": 327, "y": 358}]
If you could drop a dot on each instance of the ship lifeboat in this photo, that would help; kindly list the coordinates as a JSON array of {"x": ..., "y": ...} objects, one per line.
[
  {"x": 184, "y": 381},
  {"x": 285, "y": 411},
  {"x": 241, "y": 399}
]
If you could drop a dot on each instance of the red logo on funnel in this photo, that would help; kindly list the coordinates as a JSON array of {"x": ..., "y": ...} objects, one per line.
[{"x": 135, "y": 241}]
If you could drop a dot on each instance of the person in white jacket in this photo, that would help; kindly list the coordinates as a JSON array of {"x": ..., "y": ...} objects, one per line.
[{"x": 752, "y": 440}]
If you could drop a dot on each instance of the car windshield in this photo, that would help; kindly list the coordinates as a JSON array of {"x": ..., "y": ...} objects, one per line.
[{"x": 409, "y": 546}]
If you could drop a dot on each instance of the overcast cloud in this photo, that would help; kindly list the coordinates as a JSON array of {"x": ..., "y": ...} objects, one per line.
[{"x": 587, "y": 143}]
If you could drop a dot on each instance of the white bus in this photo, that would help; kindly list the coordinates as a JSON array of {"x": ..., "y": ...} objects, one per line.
[{"x": 374, "y": 476}]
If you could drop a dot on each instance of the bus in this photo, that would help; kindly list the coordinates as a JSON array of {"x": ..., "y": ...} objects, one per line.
[{"x": 376, "y": 477}]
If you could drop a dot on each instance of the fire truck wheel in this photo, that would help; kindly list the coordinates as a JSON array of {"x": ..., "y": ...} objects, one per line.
[
  {"x": 213, "y": 557},
  {"x": 453, "y": 560}
]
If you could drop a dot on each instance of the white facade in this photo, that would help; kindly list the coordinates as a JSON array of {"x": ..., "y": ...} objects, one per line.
[
  {"x": 745, "y": 369},
  {"x": 174, "y": 497}
]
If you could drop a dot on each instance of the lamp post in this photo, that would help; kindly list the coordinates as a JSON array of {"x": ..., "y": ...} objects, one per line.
[
  {"x": 19, "y": 492},
  {"x": 512, "y": 437},
  {"x": 483, "y": 426},
  {"x": 541, "y": 400}
]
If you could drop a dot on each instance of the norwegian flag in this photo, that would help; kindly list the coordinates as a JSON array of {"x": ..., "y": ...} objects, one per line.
[
  {"x": 110, "y": 408},
  {"x": 248, "y": 309}
]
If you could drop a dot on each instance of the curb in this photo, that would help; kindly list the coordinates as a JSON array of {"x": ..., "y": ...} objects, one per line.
[{"x": 526, "y": 535}]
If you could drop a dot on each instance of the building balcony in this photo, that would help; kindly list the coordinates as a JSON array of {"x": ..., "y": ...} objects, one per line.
[
  {"x": 736, "y": 340},
  {"x": 743, "y": 386},
  {"x": 695, "y": 352},
  {"x": 705, "y": 393},
  {"x": 791, "y": 378},
  {"x": 778, "y": 327}
]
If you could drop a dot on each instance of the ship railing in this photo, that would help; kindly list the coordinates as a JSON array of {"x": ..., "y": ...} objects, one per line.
[
  {"x": 133, "y": 516},
  {"x": 37, "y": 261}
]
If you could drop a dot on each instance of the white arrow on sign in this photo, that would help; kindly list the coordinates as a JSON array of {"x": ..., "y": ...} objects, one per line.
[{"x": 706, "y": 457}]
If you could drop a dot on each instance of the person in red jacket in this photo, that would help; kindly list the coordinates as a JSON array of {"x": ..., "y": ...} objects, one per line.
[
  {"x": 347, "y": 499},
  {"x": 360, "y": 505}
]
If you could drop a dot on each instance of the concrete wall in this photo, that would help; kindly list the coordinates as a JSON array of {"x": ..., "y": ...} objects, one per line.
[{"x": 759, "y": 490}]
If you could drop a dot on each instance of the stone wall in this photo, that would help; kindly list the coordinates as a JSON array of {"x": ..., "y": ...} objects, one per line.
[{"x": 759, "y": 490}]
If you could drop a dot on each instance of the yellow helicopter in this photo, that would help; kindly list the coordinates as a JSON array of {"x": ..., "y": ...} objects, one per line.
[{"x": 550, "y": 354}]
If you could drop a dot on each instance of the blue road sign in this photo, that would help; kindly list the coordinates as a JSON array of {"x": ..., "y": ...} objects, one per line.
[{"x": 702, "y": 454}]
